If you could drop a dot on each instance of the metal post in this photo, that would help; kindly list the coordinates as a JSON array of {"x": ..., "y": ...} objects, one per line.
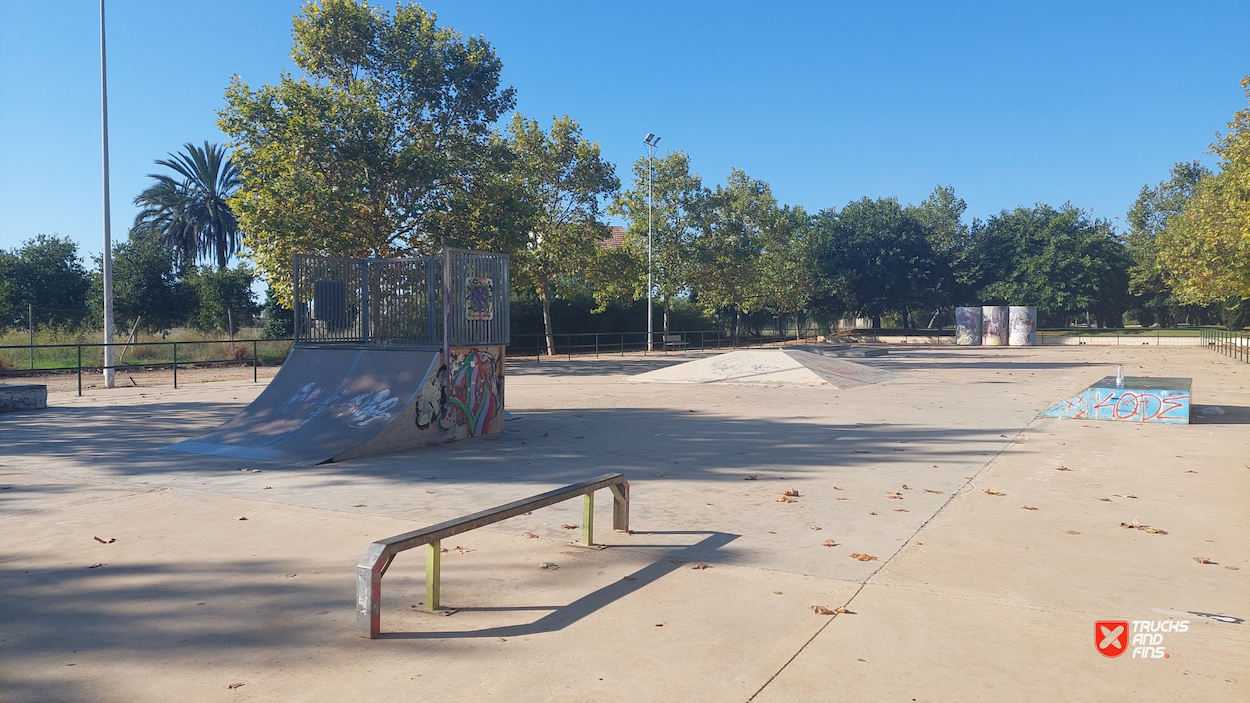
[
  {"x": 620, "y": 507},
  {"x": 364, "y": 302},
  {"x": 296, "y": 314},
  {"x": 108, "y": 237},
  {"x": 447, "y": 319},
  {"x": 650, "y": 205},
  {"x": 30, "y": 321},
  {"x": 175, "y": 364},
  {"x": 79, "y": 369},
  {"x": 255, "y": 361},
  {"x": 588, "y": 519},
  {"x": 433, "y": 571}
]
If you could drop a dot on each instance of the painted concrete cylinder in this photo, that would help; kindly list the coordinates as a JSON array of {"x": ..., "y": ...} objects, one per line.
[
  {"x": 968, "y": 326},
  {"x": 1023, "y": 331},
  {"x": 994, "y": 325}
]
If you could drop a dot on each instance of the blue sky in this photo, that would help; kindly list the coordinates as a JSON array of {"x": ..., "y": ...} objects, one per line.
[{"x": 1011, "y": 103}]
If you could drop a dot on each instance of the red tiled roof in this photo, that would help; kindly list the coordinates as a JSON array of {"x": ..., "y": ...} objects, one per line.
[{"x": 614, "y": 241}]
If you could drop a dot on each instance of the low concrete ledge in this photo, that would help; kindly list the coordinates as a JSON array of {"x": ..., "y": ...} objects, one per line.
[{"x": 14, "y": 398}]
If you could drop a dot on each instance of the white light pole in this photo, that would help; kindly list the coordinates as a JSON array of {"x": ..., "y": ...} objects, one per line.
[
  {"x": 651, "y": 141},
  {"x": 108, "y": 238}
]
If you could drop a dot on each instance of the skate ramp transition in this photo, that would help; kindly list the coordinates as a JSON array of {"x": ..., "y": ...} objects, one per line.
[{"x": 771, "y": 367}]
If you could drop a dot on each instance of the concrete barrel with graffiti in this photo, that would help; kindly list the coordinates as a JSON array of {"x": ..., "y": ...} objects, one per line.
[
  {"x": 968, "y": 326},
  {"x": 994, "y": 325},
  {"x": 1023, "y": 326}
]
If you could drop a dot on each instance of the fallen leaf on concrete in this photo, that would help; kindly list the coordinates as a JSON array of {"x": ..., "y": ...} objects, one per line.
[
  {"x": 579, "y": 437},
  {"x": 841, "y": 498},
  {"x": 905, "y": 487},
  {"x": 871, "y": 512},
  {"x": 812, "y": 527},
  {"x": 1233, "y": 568},
  {"x": 1190, "y": 471},
  {"x": 899, "y": 449},
  {"x": 95, "y": 566},
  {"x": 657, "y": 474},
  {"x": 839, "y": 610},
  {"x": 821, "y": 610},
  {"x": 830, "y": 543},
  {"x": 783, "y": 498},
  {"x": 863, "y": 557},
  {"x": 1062, "y": 468},
  {"x": 993, "y": 492},
  {"x": 530, "y": 535},
  {"x": 289, "y": 576},
  {"x": 930, "y": 490},
  {"x": 1203, "y": 560},
  {"x": 463, "y": 550},
  {"x": 1144, "y": 528},
  {"x": 109, "y": 541},
  {"x": 659, "y": 624},
  {"x": 836, "y": 488},
  {"x": 791, "y": 492},
  {"x": 1028, "y": 507},
  {"x": 900, "y": 510},
  {"x": 750, "y": 477},
  {"x": 549, "y": 566},
  {"x": 267, "y": 488},
  {"x": 894, "y": 495},
  {"x": 776, "y": 593},
  {"x": 1105, "y": 500},
  {"x": 568, "y": 526},
  {"x": 700, "y": 567},
  {"x": 1002, "y": 435},
  {"x": 1073, "y": 532},
  {"x": 1123, "y": 495},
  {"x": 242, "y": 518},
  {"x": 361, "y": 505},
  {"x": 862, "y": 451},
  {"x": 233, "y": 685}
]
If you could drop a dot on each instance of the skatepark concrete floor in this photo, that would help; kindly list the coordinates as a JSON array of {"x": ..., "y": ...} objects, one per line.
[{"x": 128, "y": 573}]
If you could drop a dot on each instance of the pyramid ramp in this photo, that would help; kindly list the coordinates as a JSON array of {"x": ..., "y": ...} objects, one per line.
[
  {"x": 1139, "y": 399},
  {"x": 771, "y": 367}
]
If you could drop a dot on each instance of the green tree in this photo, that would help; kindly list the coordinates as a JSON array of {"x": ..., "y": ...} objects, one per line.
[
  {"x": 147, "y": 288},
  {"x": 192, "y": 216},
  {"x": 1061, "y": 260},
  {"x": 279, "y": 320},
  {"x": 1206, "y": 248},
  {"x": 381, "y": 145},
  {"x": 566, "y": 179},
  {"x": 942, "y": 216},
  {"x": 1150, "y": 215},
  {"x": 224, "y": 298},
  {"x": 876, "y": 256},
  {"x": 678, "y": 196},
  {"x": 47, "y": 272}
]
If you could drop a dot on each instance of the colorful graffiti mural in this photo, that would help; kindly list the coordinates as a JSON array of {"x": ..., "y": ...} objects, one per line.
[
  {"x": 479, "y": 299},
  {"x": 1023, "y": 326},
  {"x": 1141, "y": 399},
  {"x": 473, "y": 405},
  {"x": 968, "y": 326},
  {"x": 994, "y": 321}
]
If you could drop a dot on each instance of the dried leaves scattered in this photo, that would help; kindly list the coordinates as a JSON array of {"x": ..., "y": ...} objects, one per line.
[
  {"x": 791, "y": 492},
  {"x": 242, "y": 518},
  {"x": 863, "y": 557},
  {"x": 1203, "y": 560},
  {"x": 530, "y": 535},
  {"x": 991, "y": 491},
  {"x": 549, "y": 566},
  {"x": 930, "y": 490},
  {"x": 568, "y": 526},
  {"x": 95, "y": 566},
  {"x": 110, "y": 540},
  {"x": 233, "y": 686},
  {"x": 821, "y": 610},
  {"x": 1028, "y": 507},
  {"x": 1062, "y": 468},
  {"x": 812, "y": 527},
  {"x": 830, "y": 543},
  {"x": 788, "y": 496},
  {"x": 700, "y": 567},
  {"x": 750, "y": 477},
  {"x": 1123, "y": 495},
  {"x": 360, "y": 505},
  {"x": 1144, "y": 528},
  {"x": 894, "y": 495}
]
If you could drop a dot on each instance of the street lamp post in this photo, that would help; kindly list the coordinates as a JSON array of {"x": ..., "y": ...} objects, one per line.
[
  {"x": 108, "y": 243},
  {"x": 651, "y": 141}
]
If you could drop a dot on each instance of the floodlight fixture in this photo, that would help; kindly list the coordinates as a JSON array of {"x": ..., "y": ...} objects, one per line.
[
  {"x": 648, "y": 138},
  {"x": 655, "y": 141}
]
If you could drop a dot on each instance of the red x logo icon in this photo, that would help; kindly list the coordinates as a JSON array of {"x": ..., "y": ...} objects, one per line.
[{"x": 1111, "y": 637}]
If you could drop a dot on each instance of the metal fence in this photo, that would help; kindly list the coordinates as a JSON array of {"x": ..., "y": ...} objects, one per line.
[
  {"x": 145, "y": 356},
  {"x": 1234, "y": 344},
  {"x": 461, "y": 296}
]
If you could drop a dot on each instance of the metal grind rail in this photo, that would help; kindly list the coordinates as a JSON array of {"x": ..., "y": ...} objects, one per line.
[{"x": 378, "y": 557}]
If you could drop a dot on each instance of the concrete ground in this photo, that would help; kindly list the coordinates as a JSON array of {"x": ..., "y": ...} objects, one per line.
[{"x": 129, "y": 574}]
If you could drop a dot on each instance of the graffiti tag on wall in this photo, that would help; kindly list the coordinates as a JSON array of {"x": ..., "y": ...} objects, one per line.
[
  {"x": 479, "y": 299},
  {"x": 968, "y": 326},
  {"x": 473, "y": 404}
]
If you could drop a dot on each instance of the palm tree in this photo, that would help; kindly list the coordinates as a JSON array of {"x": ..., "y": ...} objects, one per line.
[{"x": 191, "y": 215}]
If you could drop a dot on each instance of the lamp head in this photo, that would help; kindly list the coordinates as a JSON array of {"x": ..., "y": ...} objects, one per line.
[{"x": 648, "y": 138}]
